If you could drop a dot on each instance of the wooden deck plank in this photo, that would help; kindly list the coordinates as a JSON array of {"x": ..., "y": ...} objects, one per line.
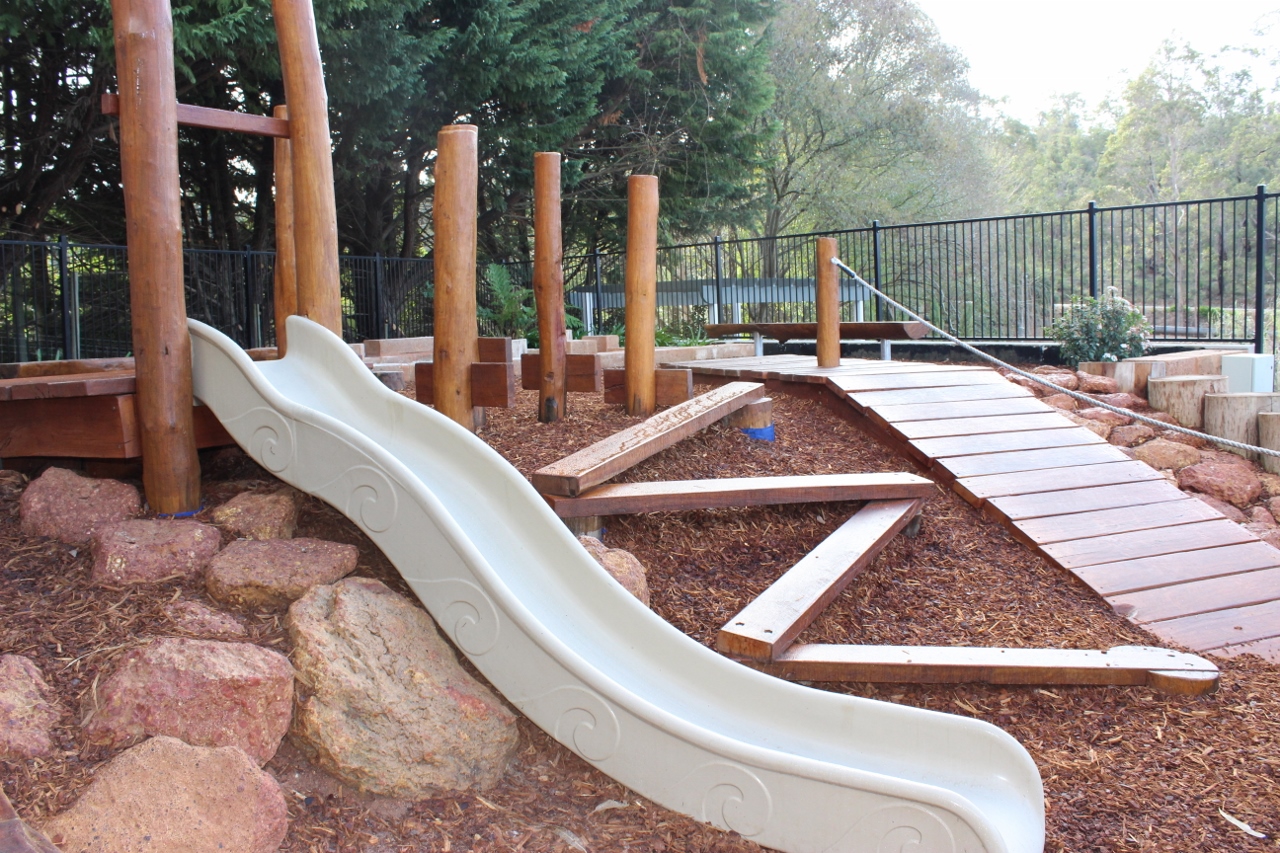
[
  {"x": 1019, "y": 507},
  {"x": 1104, "y": 522},
  {"x": 1204, "y": 596},
  {"x": 766, "y": 626},
  {"x": 967, "y": 409},
  {"x": 628, "y": 498},
  {"x": 105, "y": 383},
  {"x": 972, "y": 445},
  {"x": 782, "y": 332},
  {"x": 1126, "y": 665},
  {"x": 1147, "y": 543},
  {"x": 1030, "y": 460},
  {"x": 916, "y": 379},
  {"x": 608, "y": 458},
  {"x": 1115, "y": 579},
  {"x": 950, "y": 394},
  {"x": 1222, "y": 627},
  {"x": 1266, "y": 649},
  {"x": 954, "y": 427},
  {"x": 979, "y": 489}
]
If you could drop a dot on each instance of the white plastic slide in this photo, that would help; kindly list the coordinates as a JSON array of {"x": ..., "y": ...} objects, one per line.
[{"x": 788, "y": 766}]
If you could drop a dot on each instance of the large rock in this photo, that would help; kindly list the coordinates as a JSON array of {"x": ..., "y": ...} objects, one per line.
[
  {"x": 165, "y": 796},
  {"x": 621, "y": 565},
  {"x": 276, "y": 572},
  {"x": 28, "y": 710},
  {"x": 261, "y": 515},
  {"x": 1131, "y": 435},
  {"x": 1163, "y": 454},
  {"x": 382, "y": 701},
  {"x": 16, "y": 836},
  {"x": 68, "y": 507},
  {"x": 1123, "y": 400},
  {"x": 145, "y": 551},
  {"x": 201, "y": 620},
  {"x": 1236, "y": 484},
  {"x": 1093, "y": 384},
  {"x": 1060, "y": 401},
  {"x": 1228, "y": 511},
  {"x": 204, "y": 692},
  {"x": 1104, "y": 416}
]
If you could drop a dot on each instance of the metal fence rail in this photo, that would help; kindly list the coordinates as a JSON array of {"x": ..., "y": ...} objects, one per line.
[{"x": 1200, "y": 271}]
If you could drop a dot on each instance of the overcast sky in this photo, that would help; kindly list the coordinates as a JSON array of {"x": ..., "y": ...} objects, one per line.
[{"x": 1026, "y": 51}]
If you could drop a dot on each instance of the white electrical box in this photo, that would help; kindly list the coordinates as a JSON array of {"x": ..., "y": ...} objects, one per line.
[{"x": 1249, "y": 373}]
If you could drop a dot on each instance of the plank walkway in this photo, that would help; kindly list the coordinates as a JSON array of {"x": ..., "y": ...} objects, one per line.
[{"x": 1166, "y": 561}]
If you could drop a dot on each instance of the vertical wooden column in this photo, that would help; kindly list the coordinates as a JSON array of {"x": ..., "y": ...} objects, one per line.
[
  {"x": 315, "y": 212},
  {"x": 457, "y": 344},
  {"x": 828, "y": 299},
  {"x": 286, "y": 272},
  {"x": 149, "y": 169},
  {"x": 548, "y": 285},
  {"x": 641, "y": 293}
]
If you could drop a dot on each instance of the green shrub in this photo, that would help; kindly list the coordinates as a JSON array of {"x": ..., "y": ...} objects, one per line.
[{"x": 1106, "y": 329}]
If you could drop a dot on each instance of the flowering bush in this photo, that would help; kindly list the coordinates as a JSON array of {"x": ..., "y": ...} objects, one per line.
[{"x": 1106, "y": 329}]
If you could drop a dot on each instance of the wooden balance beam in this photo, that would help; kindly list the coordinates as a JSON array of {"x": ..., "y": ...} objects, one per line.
[
  {"x": 681, "y": 495},
  {"x": 593, "y": 465}
]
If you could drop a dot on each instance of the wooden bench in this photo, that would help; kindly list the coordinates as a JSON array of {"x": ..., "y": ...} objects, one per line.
[{"x": 783, "y": 332}]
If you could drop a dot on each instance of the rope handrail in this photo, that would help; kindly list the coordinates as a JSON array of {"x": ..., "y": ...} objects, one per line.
[{"x": 1128, "y": 413}]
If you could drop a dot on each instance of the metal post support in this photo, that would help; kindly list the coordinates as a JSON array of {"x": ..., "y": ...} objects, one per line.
[
  {"x": 1260, "y": 268},
  {"x": 1093, "y": 249},
  {"x": 719, "y": 259},
  {"x": 70, "y": 313}
]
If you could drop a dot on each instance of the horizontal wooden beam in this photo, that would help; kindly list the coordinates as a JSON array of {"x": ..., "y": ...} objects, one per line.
[
  {"x": 605, "y": 459},
  {"x": 673, "y": 386},
  {"x": 681, "y": 495},
  {"x": 99, "y": 427},
  {"x": 783, "y": 332},
  {"x": 27, "y": 369},
  {"x": 207, "y": 117},
  {"x": 767, "y": 626},
  {"x": 493, "y": 383},
  {"x": 1175, "y": 672}
]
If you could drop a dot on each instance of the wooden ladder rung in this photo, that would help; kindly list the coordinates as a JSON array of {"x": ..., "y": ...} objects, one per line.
[
  {"x": 767, "y": 626},
  {"x": 1175, "y": 672},
  {"x": 605, "y": 459}
]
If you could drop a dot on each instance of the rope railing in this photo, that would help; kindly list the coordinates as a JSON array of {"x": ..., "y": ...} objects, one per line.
[{"x": 1128, "y": 413}]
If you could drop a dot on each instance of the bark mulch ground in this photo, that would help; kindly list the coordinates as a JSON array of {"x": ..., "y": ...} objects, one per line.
[{"x": 1125, "y": 769}]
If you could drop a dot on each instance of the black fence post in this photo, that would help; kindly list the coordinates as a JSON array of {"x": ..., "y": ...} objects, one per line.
[
  {"x": 719, "y": 258},
  {"x": 599, "y": 306},
  {"x": 251, "y": 307},
  {"x": 70, "y": 312},
  {"x": 1093, "y": 249},
  {"x": 1260, "y": 269},
  {"x": 379, "y": 310},
  {"x": 875, "y": 264}
]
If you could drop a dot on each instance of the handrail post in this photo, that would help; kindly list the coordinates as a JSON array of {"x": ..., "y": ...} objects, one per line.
[
  {"x": 827, "y": 297},
  {"x": 1093, "y": 249},
  {"x": 1260, "y": 268},
  {"x": 875, "y": 262},
  {"x": 641, "y": 293}
]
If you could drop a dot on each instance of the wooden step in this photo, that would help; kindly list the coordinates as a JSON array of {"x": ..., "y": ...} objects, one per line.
[
  {"x": 978, "y": 489},
  {"x": 605, "y": 459},
  {"x": 1204, "y": 596},
  {"x": 1175, "y": 672},
  {"x": 766, "y": 626},
  {"x": 1147, "y": 543},
  {"x": 1125, "y": 576},
  {"x": 680, "y": 495},
  {"x": 1030, "y": 460},
  {"x": 1047, "y": 530}
]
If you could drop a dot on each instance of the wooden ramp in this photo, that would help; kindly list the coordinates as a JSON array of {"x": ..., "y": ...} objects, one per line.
[{"x": 1164, "y": 560}]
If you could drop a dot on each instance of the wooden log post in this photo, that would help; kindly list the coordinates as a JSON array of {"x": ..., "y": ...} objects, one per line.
[
  {"x": 1183, "y": 396},
  {"x": 286, "y": 271},
  {"x": 457, "y": 334},
  {"x": 315, "y": 212},
  {"x": 828, "y": 304},
  {"x": 641, "y": 292},
  {"x": 548, "y": 286},
  {"x": 153, "y": 223},
  {"x": 1269, "y": 437}
]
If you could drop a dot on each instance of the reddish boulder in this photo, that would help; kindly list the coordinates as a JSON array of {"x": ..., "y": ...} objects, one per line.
[
  {"x": 1261, "y": 515},
  {"x": 621, "y": 565},
  {"x": 16, "y": 836},
  {"x": 1163, "y": 454},
  {"x": 1122, "y": 400},
  {"x": 276, "y": 572},
  {"x": 165, "y": 796},
  {"x": 382, "y": 701},
  {"x": 1060, "y": 401},
  {"x": 28, "y": 710},
  {"x": 1131, "y": 435},
  {"x": 1093, "y": 384},
  {"x": 1236, "y": 484},
  {"x": 1104, "y": 416},
  {"x": 1228, "y": 511},
  {"x": 204, "y": 692},
  {"x": 200, "y": 620},
  {"x": 145, "y": 551},
  {"x": 1031, "y": 385},
  {"x": 68, "y": 507},
  {"x": 258, "y": 515}
]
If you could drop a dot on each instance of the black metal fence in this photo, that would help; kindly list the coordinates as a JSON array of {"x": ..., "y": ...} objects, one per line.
[{"x": 1200, "y": 271}]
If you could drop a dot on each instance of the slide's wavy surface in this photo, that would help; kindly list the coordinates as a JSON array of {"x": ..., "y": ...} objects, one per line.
[{"x": 787, "y": 766}]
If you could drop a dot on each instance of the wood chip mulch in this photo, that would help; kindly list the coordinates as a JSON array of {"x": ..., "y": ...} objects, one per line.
[{"x": 1124, "y": 768}]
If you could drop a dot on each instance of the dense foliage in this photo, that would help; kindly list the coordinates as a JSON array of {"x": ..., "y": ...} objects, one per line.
[{"x": 1105, "y": 329}]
